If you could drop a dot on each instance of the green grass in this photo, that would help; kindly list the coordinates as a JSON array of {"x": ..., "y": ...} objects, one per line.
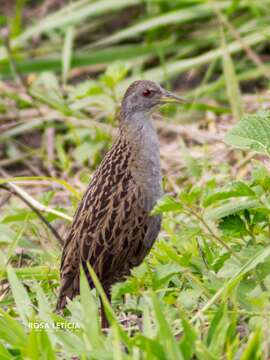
[{"x": 204, "y": 290}]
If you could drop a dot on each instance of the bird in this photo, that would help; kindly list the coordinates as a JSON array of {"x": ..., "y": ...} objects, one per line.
[{"x": 113, "y": 228}]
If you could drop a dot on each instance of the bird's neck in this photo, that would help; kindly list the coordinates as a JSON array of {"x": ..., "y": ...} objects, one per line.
[
  {"x": 140, "y": 132},
  {"x": 134, "y": 124},
  {"x": 142, "y": 137}
]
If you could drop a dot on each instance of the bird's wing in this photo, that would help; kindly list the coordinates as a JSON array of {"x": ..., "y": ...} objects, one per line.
[
  {"x": 115, "y": 229},
  {"x": 113, "y": 232}
]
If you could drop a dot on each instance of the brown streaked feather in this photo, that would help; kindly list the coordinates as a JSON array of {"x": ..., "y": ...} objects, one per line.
[{"x": 111, "y": 230}]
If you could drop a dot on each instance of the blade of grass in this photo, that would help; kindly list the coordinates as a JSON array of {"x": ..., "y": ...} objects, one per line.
[
  {"x": 252, "y": 348},
  {"x": 5, "y": 354},
  {"x": 67, "y": 53},
  {"x": 91, "y": 318},
  {"x": 36, "y": 204},
  {"x": 108, "y": 309},
  {"x": 86, "y": 58},
  {"x": 34, "y": 272},
  {"x": 165, "y": 334},
  {"x": 47, "y": 178},
  {"x": 192, "y": 13},
  {"x": 22, "y": 300},
  {"x": 62, "y": 19},
  {"x": 178, "y": 67},
  {"x": 232, "y": 84},
  {"x": 11, "y": 331}
]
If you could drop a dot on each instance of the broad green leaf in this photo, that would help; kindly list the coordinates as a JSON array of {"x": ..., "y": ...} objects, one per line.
[
  {"x": 252, "y": 132},
  {"x": 236, "y": 189},
  {"x": 166, "y": 204},
  {"x": 233, "y": 225},
  {"x": 230, "y": 209}
]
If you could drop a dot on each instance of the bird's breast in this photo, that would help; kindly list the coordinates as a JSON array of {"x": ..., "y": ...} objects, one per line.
[{"x": 146, "y": 169}]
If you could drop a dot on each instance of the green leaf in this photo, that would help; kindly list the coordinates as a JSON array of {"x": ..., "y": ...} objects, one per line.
[
  {"x": 166, "y": 204},
  {"x": 252, "y": 132},
  {"x": 260, "y": 175},
  {"x": 23, "y": 303},
  {"x": 229, "y": 209},
  {"x": 233, "y": 225},
  {"x": 236, "y": 189},
  {"x": 114, "y": 74}
]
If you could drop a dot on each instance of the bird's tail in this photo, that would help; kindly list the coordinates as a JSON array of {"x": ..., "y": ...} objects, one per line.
[{"x": 70, "y": 287}]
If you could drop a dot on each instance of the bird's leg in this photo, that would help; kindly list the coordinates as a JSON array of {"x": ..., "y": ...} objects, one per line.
[{"x": 104, "y": 321}]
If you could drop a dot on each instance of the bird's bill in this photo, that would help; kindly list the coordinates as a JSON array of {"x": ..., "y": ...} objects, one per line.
[{"x": 169, "y": 97}]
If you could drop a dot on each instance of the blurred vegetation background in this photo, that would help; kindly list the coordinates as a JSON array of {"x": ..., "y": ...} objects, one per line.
[{"x": 203, "y": 292}]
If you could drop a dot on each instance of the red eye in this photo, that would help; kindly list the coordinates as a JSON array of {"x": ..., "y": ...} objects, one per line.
[{"x": 146, "y": 92}]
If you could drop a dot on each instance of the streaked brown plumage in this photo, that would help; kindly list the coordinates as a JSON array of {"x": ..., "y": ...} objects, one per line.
[{"x": 112, "y": 228}]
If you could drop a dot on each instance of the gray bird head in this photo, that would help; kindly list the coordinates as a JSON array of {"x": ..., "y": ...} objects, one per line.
[{"x": 145, "y": 96}]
